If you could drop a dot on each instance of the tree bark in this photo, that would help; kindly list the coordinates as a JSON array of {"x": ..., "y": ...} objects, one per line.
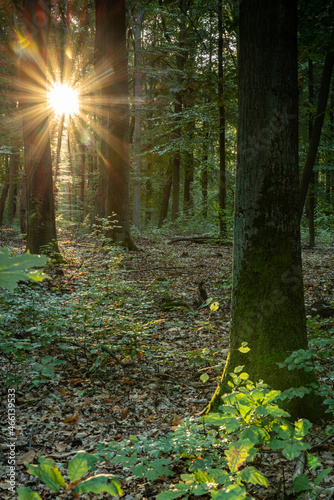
[
  {"x": 4, "y": 193},
  {"x": 41, "y": 227},
  {"x": 222, "y": 155},
  {"x": 165, "y": 199},
  {"x": 180, "y": 61},
  {"x": 318, "y": 122},
  {"x": 267, "y": 299},
  {"x": 13, "y": 183},
  {"x": 314, "y": 176},
  {"x": 112, "y": 72},
  {"x": 137, "y": 127}
]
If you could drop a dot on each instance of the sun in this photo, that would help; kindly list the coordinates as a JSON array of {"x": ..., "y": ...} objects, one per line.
[{"x": 63, "y": 100}]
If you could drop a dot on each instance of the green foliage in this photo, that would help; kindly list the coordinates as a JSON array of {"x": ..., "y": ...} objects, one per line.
[
  {"x": 14, "y": 269},
  {"x": 218, "y": 448},
  {"x": 78, "y": 467}
]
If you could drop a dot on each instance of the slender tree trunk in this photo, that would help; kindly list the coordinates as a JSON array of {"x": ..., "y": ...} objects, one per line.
[
  {"x": 111, "y": 68},
  {"x": 4, "y": 192},
  {"x": 23, "y": 208},
  {"x": 222, "y": 155},
  {"x": 13, "y": 182},
  {"x": 41, "y": 227},
  {"x": 318, "y": 122},
  {"x": 267, "y": 300},
  {"x": 82, "y": 153},
  {"x": 137, "y": 127},
  {"x": 180, "y": 62},
  {"x": 314, "y": 177},
  {"x": 165, "y": 199},
  {"x": 188, "y": 201}
]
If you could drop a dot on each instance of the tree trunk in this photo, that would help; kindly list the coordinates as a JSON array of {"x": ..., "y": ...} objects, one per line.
[
  {"x": 314, "y": 177},
  {"x": 165, "y": 199},
  {"x": 222, "y": 155},
  {"x": 318, "y": 122},
  {"x": 4, "y": 193},
  {"x": 267, "y": 300},
  {"x": 180, "y": 61},
  {"x": 111, "y": 68},
  {"x": 137, "y": 127},
  {"x": 13, "y": 182},
  {"x": 41, "y": 227}
]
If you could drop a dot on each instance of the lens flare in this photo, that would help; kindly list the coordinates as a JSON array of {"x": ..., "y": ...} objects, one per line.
[{"x": 63, "y": 100}]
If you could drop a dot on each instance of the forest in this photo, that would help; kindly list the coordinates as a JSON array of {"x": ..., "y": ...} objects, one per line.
[{"x": 167, "y": 249}]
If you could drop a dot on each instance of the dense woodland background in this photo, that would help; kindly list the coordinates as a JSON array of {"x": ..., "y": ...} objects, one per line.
[{"x": 183, "y": 77}]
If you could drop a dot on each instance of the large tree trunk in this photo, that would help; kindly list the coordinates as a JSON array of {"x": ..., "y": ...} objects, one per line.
[
  {"x": 112, "y": 71},
  {"x": 41, "y": 227},
  {"x": 268, "y": 301}
]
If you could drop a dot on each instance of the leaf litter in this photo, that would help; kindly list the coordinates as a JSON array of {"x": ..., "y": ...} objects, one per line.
[{"x": 160, "y": 338}]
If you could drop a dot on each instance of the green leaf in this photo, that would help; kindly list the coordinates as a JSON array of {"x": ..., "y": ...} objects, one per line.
[
  {"x": 204, "y": 377},
  {"x": 237, "y": 454},
  {"x": 77, "y": 468},
  {"x": 233, "y": 492},
  {"x": 46, "y": 360},
  {"x": 27, "y": 494},
  {"x": 301, "y": 428},
  {"x": 292, "y": 450},
  {"x": 301, "y": 483},
  {"x": 322, "y": 475},
  {"x": 50, "y": 476},
  {"x": 253, "y": 476},
  {"x": 14, "y": 269},
  {"x": 179, "y": 490},
  {"x": 238, "y": 369},
  {"x": 98, "y": 484}
]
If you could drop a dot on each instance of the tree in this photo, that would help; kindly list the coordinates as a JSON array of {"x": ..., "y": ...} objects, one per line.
[
  {"x": 267, "y": 299},
  {"x": 112, "y": 72},
  {"x": 41, "y": 227}
]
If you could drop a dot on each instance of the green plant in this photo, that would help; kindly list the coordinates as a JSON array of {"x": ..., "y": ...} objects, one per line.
[
  {"x": 15, "y": 269},
  {"x": 44, "y": 371},
  {"x": 78, "y": 467},
  {"x": 219, "y": 449}
]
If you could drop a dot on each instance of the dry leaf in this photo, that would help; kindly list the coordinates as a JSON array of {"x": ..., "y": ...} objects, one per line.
[{"x": 27, "y": 457}]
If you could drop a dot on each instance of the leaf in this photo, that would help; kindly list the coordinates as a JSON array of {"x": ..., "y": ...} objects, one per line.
[
  {"x": 301, "y": 428},
  {"x": 179, "y": 490},
  {"x": 50, "y": 476},
  {"x": 244, "y": 347},
  {"x": 14, "y": 269},
  {"x": 27, "y": 494},
  {"x": 237, "y": 454},
  {"x": 301, "y": 483},
  {"x": 214, "y": 306},
  {"x": 253, "y": 476},
  {"x": 77, "y": 468},
  {"x": 98, "y": 484},
  {"x": 204, "y": 377},
  {"x": 322, "y": 475},
  {"x": 233, "y": 492}
]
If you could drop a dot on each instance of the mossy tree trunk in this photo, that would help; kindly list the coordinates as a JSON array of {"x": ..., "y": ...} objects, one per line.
[
  {"x": 267, "y": 300},
  {"x": 41, "y": 227}
]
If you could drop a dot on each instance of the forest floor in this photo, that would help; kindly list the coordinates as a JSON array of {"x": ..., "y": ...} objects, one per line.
[{"x": 143, "y": 307}]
